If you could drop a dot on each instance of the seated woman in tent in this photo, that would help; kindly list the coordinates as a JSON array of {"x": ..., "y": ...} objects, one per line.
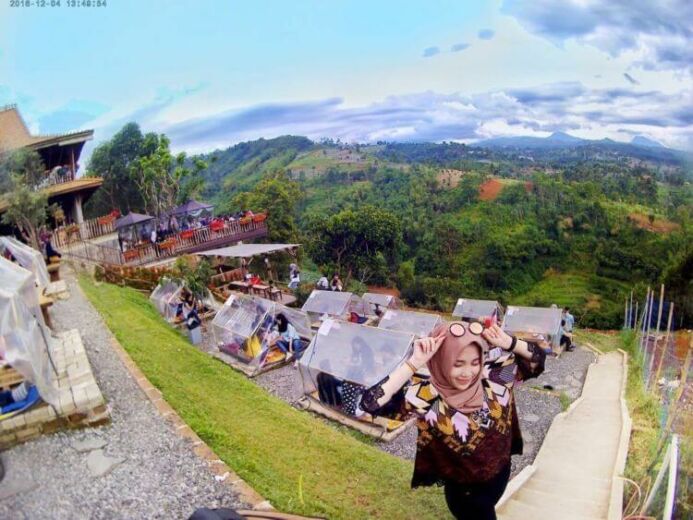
[
  {"x": 468, "y": 425},
  {"x": 288, "y": 339}
]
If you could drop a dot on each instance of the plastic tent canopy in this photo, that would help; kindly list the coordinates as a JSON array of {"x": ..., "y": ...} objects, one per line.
[
  {"x": 356, "y": 353},
  {"x": 28, "y": 257},
  {"x": 166, "y": 297},
  {"x": 475, "y": 309},
  {"x": 385, "y": 301},
  {"x": 334, "y": 303},
  {"x": 25, "y": 342},
  {"x": 243, "y": 328},
  {"x": 418, "y": 323},
  {"x": 533, "y": 320}
]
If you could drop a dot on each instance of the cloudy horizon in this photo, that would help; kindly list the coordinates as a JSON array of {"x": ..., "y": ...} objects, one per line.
[{"x": 440, "y": 72}]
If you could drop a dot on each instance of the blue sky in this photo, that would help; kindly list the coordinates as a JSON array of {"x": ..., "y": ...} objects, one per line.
[{"x": 212, "y": 73}]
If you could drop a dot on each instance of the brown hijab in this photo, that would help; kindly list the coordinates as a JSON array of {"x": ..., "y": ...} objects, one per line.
[{"x": 440, "y": 365}]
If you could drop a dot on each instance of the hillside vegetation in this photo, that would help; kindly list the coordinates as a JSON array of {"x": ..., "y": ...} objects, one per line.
[{"x": 574, "y": 223}]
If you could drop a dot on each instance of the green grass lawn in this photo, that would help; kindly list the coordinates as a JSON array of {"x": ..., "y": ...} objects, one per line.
[{"x": 299, "y": 462}]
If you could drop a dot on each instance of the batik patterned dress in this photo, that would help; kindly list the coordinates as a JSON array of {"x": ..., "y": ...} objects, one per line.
[{"x": 465, "y": 448}]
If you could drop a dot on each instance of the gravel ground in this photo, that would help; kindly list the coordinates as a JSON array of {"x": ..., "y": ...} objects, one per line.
[
  {"x": 159, "y": 477},
  {"x": 536, "y": 407}
]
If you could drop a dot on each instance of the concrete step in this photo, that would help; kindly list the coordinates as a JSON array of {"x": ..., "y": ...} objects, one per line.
[
  {"x": 597, "y": 465},
  {"x": 575, "y": 487},
  {"x": 515, "y": 509},
  {"x": 588, "y": 507},
  {"x": 555, "y": 469}
]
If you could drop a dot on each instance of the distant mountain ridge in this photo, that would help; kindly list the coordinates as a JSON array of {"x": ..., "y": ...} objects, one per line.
[{"x": 562, "y": 140}]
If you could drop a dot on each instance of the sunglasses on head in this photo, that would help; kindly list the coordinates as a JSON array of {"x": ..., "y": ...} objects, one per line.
[{"x": 458, "y": 330}]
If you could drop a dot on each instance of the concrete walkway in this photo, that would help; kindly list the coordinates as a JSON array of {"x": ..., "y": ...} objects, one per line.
[
  {"x": 138, "y": 466},
  {"x": 573, "y": 476}
]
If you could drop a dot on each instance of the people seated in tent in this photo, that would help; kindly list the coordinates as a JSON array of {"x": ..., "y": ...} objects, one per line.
[
  {"x": 336, "y": 284},
  {"x": 323, "y": 283},
  {"x": 288, "y": 339},
  {"x": 355, "y": 317},
  {"x": 253, "y": 279},
  {"x": 329, "y": 387}
]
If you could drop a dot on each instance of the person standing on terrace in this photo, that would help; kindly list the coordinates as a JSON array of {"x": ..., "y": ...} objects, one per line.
[{"x": 468, "y": 424}]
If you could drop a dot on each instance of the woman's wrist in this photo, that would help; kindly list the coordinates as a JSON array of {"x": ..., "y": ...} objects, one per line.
[{"x": 414, "y": 363}]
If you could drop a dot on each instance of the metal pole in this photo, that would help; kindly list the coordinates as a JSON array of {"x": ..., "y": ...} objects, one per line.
[
  {"x": 671, "y": 488},
  {"x": 666, "y": 344},
  {"x": 656, "y": 336},
  {"x": 647, "y": 334},
  {"x": 630, "y": 311},
  {"x": 635, "y": 316},
  {"x": 625, "y": 315},
  {"x": 644, "y": 319}
]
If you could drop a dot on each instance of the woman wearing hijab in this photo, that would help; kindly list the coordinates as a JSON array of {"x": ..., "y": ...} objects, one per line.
[{"x": 468, "y": 425}]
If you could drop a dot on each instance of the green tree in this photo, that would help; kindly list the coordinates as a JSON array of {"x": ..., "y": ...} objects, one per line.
[
  {"x": 195, "y": 275},
  {"x": 27, "y": 210},
  {"x": 112, "y": 161},
  {"x": 279, "y": 196},
  {"x": 352, "y": 240},
  {"x": 162, "y": 178},
  {"x": 24, "y": 164}
]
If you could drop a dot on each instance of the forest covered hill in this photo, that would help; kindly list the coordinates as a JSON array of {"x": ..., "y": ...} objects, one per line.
[{"x": 580, "y": 223}]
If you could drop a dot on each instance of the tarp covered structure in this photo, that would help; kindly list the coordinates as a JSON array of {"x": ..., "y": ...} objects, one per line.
[
  {"x": 247, "y": 250},
  {"x": 28, "y": 257},
  {"x": 384, "y": 301},
  {"x": 418, "y": 323},
  {"x": 335, "y": 304},
  {"x": 245, "y": 329},
  {"x": 469, "y": 309},
  {"x": 344, "y": 359},
  {"x": 25, "y": 342},
  {"x": 131, "y": 219},
  {"x": 166, "y": 297},
  {"x": 192, "y": 208},
  {"x": 534, "y": 321},
  {"x": 135, "y": 227}
]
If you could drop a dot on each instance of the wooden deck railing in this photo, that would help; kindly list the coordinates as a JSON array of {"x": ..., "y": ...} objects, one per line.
[
  {"x": 189, "y": 241},
  {"x": 92, "y": 228}
]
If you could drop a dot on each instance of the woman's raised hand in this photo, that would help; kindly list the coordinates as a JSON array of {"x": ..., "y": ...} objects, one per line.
[
  {"x": 425, "y": 349},
  {"x": 497, "y": 337}
]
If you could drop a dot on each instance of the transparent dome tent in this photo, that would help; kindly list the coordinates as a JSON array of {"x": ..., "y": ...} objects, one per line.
[
  {"x": 467, "y": 309},
  {"x": 334, "y": 304},
  {"x": 244, "y": 333},
  {"x": 341, "y": 362},
  {"x": 418, "y": 323},
  {"x": 25, "y": 342},
  {"x": 538, "y": 324},
  {"x": 384, "y": 301},
  {"x": 166, "y": 297},
  {"x": 28, "y": 257}
]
